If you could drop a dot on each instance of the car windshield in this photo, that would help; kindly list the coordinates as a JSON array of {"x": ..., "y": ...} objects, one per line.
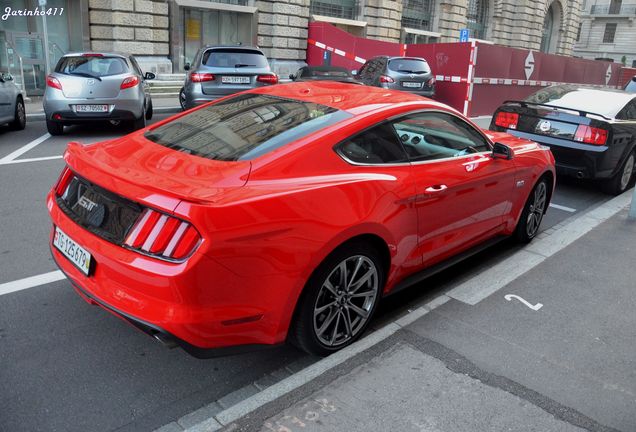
[
  {"x": 234, "y": 58},
  {"x": 595, "y": 101},
  {"x": 631, "y": 86},
  {"x": 91, "y": 66},
  {"x": 405, "y": 65},
  {"x": 244, "y": 127}
]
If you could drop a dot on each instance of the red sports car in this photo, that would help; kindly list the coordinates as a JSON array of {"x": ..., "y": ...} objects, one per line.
[{"x": 286, "y": 212}]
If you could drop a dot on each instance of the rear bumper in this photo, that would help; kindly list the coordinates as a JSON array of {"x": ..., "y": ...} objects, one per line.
[
  {"x": 180, "y": 302},
  {"x": 119, "y": 108}
]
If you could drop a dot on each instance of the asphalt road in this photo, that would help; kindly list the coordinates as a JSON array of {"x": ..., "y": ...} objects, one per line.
[{"x": 67, "y": 366}]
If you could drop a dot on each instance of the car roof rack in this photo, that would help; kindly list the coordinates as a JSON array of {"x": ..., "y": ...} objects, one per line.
[{"x": 556, "y": 108}]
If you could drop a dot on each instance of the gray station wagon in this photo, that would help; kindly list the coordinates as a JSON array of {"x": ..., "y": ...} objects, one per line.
[
  {"x": 219, "y": 71},
  {"x": 11, "y": 103},
  {"x": 97, "y": 86}
]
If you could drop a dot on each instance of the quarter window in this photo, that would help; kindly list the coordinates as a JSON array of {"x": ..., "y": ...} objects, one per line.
[
  {"x": 433, "y": 135},
  {"x": 378, "y": 145}
]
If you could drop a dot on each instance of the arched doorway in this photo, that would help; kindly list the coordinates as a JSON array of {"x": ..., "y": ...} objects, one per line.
[{"x": 551, "y": 27}]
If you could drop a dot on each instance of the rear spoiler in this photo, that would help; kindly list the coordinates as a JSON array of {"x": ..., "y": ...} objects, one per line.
[{"x": 582, "y": 113}]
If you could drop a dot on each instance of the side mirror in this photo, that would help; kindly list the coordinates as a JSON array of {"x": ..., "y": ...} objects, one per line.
[
  {"x": 150, "y": 76},
  {"x": 502, "y": 151},
  {"x": 6, "y": 77},
  {"x": 354, "y": 72},
  {"x": 292, "y": 77},
  {"x": 186, "y": 67}
]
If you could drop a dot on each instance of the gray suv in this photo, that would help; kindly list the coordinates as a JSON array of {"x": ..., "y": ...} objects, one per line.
[
  {"x": 11, "y": 103},
  {"x": 219, "y": 71},
  {"x": 97, "y": 86},
  {"x": 411, "y": 74}
]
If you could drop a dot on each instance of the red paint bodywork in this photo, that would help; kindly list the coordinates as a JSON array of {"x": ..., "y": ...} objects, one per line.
[{"x": 266, "y": 224}]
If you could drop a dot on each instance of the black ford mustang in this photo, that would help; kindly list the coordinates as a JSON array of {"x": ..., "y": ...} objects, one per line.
[{"x": 591, "y": 131}]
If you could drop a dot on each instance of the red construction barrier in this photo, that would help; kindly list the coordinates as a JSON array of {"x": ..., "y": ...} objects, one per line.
[
  {"x": 627, "y": 73},
  {"x": 474, "y": 78}
]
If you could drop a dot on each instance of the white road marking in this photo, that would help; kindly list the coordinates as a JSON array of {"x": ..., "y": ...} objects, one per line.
[
  {"x": 535, "y": 308},
  {"x": 19, "y": 152},
  {"x": 564, "y": 208},
  {"x": 31, "y": 282},
  {"x": 38, "y": 159},
  {"x": 488, "y": 282}
]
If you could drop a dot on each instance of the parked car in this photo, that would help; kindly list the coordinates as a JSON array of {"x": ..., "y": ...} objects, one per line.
[
  {"x": 323, "y": 73},
  {"x": 412, "y": 74},
  {"x": 287, "y": 212},
  {"x": 97, "y": 86},
  {"x": 591, "y": 131},
  {"x": 218, "y": 71},
  {"x": 631, "y": 85},
  {"x": 11, "y": 103}
]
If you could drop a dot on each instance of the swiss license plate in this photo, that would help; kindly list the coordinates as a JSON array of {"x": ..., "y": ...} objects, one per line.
[
  {"x": 71, "y": 250},
  {"x": 91, "y": 108},
  {"x": 411, "y": 84},
  {"x": 235, "y": 80}
]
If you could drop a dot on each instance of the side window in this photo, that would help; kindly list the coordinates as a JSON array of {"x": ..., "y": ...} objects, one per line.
[
  {"x": 629, "y": 112},
  {"x": 436, "y": 135},
  {"x": 378, "y": 145}
]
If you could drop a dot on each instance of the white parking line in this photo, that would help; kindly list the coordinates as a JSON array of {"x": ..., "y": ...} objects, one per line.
[
  {"x": 564, "y": 208},
  {"x": 30, "y": 282},
  {"x": 38, "y": 159},
  {"x": 19, "y": 152}
]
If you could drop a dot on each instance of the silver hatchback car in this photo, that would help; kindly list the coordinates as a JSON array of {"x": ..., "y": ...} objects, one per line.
[
  {"x": 218, "y": 71},
  {"x": 11, "y": 103},
  {"x": 97, "y": 86},
  {"x": 411, "y": 74}
]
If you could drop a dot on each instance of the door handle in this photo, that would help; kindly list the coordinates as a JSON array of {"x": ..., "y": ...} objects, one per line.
[{"x": 436, "y": 188}]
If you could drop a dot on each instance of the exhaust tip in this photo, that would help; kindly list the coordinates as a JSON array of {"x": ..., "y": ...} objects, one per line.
[
  {"x": 164, "y": 340},
  {"x": 579, "y": 175}
]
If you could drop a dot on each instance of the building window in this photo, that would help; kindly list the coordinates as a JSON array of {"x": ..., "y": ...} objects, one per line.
[
  {"x": 578, "y": 33},
  {"x": 417, "y": 14},
  {"x": 551, "y": 25},
  {"x": 615, "y": 7},
  {"x": 610, "y": 32},
  {"x": 347, "y": 9},
  {"x": 477, "y": 18}
]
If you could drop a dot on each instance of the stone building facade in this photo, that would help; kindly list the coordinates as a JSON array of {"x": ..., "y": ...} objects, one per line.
[
  {"x": 608, "y": 31},
  {"x": 165, "y": 34}
]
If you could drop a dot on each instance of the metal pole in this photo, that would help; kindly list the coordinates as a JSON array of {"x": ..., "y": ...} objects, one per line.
[
  {"x": 632, "y": 208},
  {"x": 46, "y": 37}
]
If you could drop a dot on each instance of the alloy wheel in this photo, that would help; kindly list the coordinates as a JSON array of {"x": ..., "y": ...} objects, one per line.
[
  {"x": 345, "y": 301},
  {"x": 21, "y": 113},
  {"x": 182, "y": 99},
  {"x": 537, "y": 207},
  {"x": 628, "y": 170}
]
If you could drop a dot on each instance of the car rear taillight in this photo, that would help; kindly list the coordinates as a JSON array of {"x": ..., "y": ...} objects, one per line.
[
  {"x": 386, "y": 79},
  {"x": 162, "y": 235},
  {"x": 129, "y": 82},
  {"x": 267, "y": 79},
  {"x": 201, "y": 77},
  {"x": 590, "y": 135},
  {"x": 53, "y": 82},
  {"x": 507, "y": 120},
  {"x": 62, "y": 183}
]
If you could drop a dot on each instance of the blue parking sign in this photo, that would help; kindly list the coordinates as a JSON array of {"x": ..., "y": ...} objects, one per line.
[{"x": 464, "y": 34}]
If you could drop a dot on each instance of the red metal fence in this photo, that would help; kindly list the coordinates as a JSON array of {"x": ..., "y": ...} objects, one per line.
[{"x": 475, "y": 78}]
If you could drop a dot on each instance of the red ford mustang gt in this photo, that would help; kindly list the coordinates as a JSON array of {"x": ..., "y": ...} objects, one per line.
[{"x": 286, "y": 212}]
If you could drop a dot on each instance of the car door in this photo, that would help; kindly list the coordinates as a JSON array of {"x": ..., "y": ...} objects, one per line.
[
  {"x": 462, "y": 192},
  {"x": 6, "y": 93}
]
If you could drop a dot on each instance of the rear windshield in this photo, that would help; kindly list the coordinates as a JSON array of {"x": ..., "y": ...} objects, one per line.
[
  {"x": 326, "y": 73},
  {"x": 631, "y": 86},
  {"x": 413, "y": 66},
  {"x": 91, "y": 66},
  {"x": 244, "y": 127},
  {"x": 605, "y": 102},
  {"x": 234, "y": 58}
]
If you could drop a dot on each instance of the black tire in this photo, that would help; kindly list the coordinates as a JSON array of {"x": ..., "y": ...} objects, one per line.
[
  {"x": 533, "y": 211},
  {"x": 182, "y": 99},
  {"x": 625, "y": 177},
  {"x": 54, "y": 128},
  {"x": 348, "y": 302},
  {"x": 139, "y": 123},
  {"x": 19, "y": 116},
  {"x": 149, "y": 111}
]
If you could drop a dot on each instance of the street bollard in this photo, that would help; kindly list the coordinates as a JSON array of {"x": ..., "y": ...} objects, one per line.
[{"x": 632, "y": 207}]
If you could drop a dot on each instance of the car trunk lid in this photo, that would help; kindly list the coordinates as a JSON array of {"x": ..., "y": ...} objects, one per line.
[{"x": 80, "y": 87}]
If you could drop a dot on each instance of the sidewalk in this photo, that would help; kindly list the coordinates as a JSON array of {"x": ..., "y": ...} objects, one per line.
[
  {"x": 495, "y": 365},
  {"x": 160, "y": 104}
]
